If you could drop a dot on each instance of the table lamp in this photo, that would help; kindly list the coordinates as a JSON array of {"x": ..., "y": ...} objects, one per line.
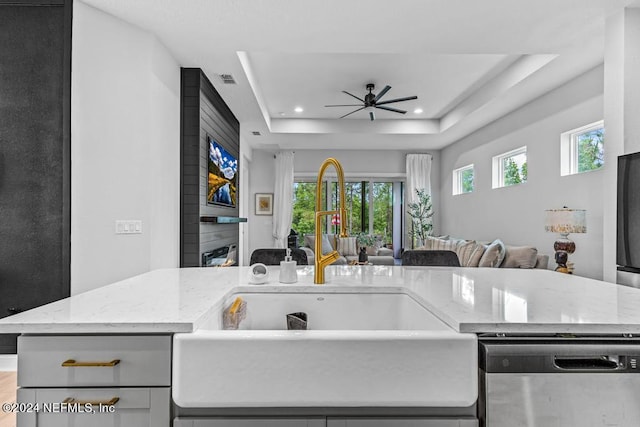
[{"x": 565, "y": 221}]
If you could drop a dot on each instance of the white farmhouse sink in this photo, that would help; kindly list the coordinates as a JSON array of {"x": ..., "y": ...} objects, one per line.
[
  {"x": 361, "y": 349},
  {"x": 344, "y": 311}
]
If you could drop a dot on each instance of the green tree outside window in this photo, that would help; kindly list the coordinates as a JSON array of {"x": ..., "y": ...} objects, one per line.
[
  {"x": 357, "y": 201},
  {"x": 304, "y": 207},
  {"x": 514, "y": 174},
  {"x": 467, "y": 180},
  {"x": 590, "y": 147}
]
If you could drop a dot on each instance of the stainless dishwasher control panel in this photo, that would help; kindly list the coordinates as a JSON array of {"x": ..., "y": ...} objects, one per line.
[{"x": 559, "y": 357}]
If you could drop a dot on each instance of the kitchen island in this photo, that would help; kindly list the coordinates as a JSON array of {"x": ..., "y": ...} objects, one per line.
[{"x": 139, "y": 316}]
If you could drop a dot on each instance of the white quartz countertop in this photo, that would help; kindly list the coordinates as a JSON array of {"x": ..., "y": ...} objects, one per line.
[{"x": 467, "y": 299}]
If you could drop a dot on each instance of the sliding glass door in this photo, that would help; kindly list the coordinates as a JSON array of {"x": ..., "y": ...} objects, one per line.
[
  {"x": 373, "y": 207},
  {"x": 383, "y": 211},
  {"x": 304, "y": 207},
  {"x": 357, "y": 205}
]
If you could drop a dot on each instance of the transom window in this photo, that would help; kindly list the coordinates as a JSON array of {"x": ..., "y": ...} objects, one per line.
[
  {"x": 582, "y": 149},
  {"x": 463, "y": 180},
  {"x": 510, "y": 168}
]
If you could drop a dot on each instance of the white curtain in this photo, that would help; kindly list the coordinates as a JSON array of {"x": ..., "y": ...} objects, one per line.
[
  {"x": 283, "y": 198},
  {"x": 418, "y": 177}
]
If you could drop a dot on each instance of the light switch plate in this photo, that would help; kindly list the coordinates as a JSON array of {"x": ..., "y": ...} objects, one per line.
[{"x": 128, "y": 227}]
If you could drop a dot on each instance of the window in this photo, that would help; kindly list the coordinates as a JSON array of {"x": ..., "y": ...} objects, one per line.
[
  {"x": 510, "y": 168},
  {"x": 582, "y": 149},
  {"x": 372, "y": 207},
  {"x": 383, "y": 211},
  {"x": 304, "y": 206},
  {"x": 356, "y": 204},
  {"x": 463, "y": 180},
  {"x": 361, "y": 207}
]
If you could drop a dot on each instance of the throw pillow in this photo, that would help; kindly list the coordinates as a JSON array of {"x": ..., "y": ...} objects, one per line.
[
  {"x": 520, "y": 257},
  {"x": 347, "y": 246},
  {"x": 437, "y": 244},
  {"x": 310, "y": 241},
  {"x": 493, "y": 254},
  {"x": 326, "y": 244},
  {"x": 469, "y": 253}
]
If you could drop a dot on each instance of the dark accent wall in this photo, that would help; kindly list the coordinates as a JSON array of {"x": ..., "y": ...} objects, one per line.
[
  {"x": 203, "y": 112},
  {"x": 35, "y": 170}
]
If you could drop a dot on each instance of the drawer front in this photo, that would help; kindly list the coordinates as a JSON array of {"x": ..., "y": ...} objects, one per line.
[
  {"x": 401, "y": 422},
  {"x": 88, "y": 361},
  {"x": 250, "y": 422},
  {"x": 138, "y": 407}
]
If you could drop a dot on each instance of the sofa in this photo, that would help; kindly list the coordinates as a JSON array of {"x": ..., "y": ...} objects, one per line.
[
  {"x": 494, "y": 254},
  {"x": 348, "y": 249}
]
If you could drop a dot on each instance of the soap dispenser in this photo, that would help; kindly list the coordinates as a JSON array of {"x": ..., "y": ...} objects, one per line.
[{"x": 288, "y": 273}]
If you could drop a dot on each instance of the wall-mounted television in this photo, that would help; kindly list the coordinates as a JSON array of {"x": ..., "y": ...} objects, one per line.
[
  {"x": 628, "y": 230},
  {"x": 222, "y": 176}
]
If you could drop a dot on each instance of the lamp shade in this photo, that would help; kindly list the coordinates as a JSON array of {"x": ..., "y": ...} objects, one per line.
[{"x": 565, "y": 221}]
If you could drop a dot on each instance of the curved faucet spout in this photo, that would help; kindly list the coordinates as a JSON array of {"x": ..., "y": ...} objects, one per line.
[{"x": 321, "y": 261}]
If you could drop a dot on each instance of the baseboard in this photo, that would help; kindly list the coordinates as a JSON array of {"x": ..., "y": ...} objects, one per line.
[{"x": 8, "y": 362}]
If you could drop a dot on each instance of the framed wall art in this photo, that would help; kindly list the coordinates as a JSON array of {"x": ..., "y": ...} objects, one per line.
[{"x": 264, "y": 203}]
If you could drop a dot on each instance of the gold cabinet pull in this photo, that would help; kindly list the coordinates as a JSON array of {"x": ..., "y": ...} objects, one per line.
[
  {"x": 110, "y": 402},
  {"x": 70, "y": 363}
]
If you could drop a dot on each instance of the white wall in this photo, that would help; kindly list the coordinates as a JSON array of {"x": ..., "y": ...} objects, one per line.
[
  {"x": 262, "y": 177},
  {"x": 246, "y": 205},
  {"x": 353, "y": 161},
  {"x": 371, "y": 163},
  {"x": 516, "y": 214},
  {"x": 621, "y": 111},
  {"x": 125, "y": 151}
]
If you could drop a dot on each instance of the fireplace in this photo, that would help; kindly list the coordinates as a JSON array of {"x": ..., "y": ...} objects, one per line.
[{"x": 225, "y": 256}]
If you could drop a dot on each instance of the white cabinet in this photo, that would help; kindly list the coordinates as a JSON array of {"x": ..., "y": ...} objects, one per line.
[
  {"x": 251, "y": 422},
  {"x": 98, "y": 361},
  {"x": 136, "y": 406},
  {"x": 101, "y": 381}
]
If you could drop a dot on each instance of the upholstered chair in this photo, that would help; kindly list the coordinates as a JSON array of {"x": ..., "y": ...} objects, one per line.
[
  {"x": 273, "y": 256},
  {"x": 430, "y": 258}
]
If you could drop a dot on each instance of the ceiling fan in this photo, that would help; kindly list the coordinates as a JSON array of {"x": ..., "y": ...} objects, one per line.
[{"x": 371, "y": 101}]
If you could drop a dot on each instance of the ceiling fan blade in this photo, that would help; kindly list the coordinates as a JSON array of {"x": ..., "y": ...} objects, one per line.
[
  {"x": 344, "y": 105},
  {"x": 407, "y": 98},
  {"x": 372, "y": 115},
  {"x": 395, "y": 110},
  {"x": 382, "y": 92},
  {"x": 350, "y": 94},
  {"x": 362, "y": 108}
]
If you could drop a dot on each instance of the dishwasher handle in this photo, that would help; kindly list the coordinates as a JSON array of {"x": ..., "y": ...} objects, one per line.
[{"x": 586, "y": 363}]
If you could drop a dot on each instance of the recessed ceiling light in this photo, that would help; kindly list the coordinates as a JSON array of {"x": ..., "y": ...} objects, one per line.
[
  {"x": 298, "y": 109},
  {"x": 418, "y": 111},
  {"x": 282, "y": 113}
]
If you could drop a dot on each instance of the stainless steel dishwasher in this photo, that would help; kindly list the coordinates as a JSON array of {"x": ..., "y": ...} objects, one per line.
[{"x": 548, "y": 382}]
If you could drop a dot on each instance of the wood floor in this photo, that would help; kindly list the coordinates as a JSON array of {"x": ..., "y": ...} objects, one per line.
[{"x": 7, "y": 394}]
